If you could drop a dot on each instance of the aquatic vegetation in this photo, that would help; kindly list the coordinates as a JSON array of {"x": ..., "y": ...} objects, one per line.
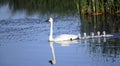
[{"x": 92, "y": 7}]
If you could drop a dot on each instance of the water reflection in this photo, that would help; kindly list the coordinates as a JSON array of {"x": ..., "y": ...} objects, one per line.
[
  {"x": 40, "y": 6},
  {"x": 101, "y": 51},
  {"x": 107, "y": 48},
  {"x": 53, "y": 61},
  {"x": 108, "y": 23},
  {"x": 67, "y": 43},
  {"x": 62, "y": 43}
]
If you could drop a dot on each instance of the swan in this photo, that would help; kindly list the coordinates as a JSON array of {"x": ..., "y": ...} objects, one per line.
[
  {"x": 85, "y": 36},
  {"x": 96, "y": 36},
  {"x": 63, "y": 37},
  {"x": 106, "y": 35},
  {"x": 92, "y": 35}
]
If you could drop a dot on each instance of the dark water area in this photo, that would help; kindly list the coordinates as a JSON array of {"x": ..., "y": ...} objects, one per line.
[{"x": 24, "y": 38}]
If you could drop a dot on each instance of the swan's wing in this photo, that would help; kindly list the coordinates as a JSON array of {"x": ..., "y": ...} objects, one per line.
[{"x": 64, "y": 37}]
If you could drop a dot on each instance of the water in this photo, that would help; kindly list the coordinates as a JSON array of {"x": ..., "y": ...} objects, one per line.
[{"x": 24, "y": 41}]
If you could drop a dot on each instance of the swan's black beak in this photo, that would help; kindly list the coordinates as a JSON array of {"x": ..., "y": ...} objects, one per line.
[{"x": 47, "y": 20}]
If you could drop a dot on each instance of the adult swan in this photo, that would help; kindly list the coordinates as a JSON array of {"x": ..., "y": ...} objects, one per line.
[{"x": 63, "y": 37}]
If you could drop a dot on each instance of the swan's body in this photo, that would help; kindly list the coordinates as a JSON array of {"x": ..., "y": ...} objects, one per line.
[{"x": 63, "y": 37}]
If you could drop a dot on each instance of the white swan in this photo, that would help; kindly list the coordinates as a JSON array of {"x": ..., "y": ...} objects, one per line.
[
  {"x": 92, "y": 35},
  {"x": 106, "y": 35},
  {"x": 96, "y": 36},
  {"x": 63, "y": 37},
  {"x": 85, "y": 36}
]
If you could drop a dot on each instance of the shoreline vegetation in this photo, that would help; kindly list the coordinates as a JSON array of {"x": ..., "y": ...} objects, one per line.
[
  {"x": 83, "y": 7},
  {"x": 97, "y": 7}
]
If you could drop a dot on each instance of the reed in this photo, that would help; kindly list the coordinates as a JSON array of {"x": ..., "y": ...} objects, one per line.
[{"x": 96, "y": 7}]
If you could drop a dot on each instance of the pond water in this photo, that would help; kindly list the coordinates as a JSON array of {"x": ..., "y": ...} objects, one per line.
[{"x": 24, "y": 40}]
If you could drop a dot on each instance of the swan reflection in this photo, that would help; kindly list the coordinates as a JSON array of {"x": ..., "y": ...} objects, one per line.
[
  {"x": 53, "y": 61},
  {"x": 62, "y": 43},
  {"x": 67, "y": 43},
  {"x": 97, "y": 41}
]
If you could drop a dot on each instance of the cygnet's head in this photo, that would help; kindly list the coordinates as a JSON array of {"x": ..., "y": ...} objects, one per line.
[
  {"x": 85, "y": 34},
  {"x": 98, "y": 33},
  {"x": 79, "y": 35},
  {"x": 104, "y": 33},
  {"x": 50, "y": 19},
  {"x": 92, "y": 34}
]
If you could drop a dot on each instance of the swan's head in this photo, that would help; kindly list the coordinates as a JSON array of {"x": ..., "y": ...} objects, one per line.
[{"x": 50, "y": 19}]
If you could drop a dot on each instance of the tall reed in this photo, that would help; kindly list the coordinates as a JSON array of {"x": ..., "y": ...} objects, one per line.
[{"x": 96, "y": 7}]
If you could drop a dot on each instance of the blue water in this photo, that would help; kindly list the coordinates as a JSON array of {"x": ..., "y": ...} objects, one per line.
[{"x": 24, "y": 42}]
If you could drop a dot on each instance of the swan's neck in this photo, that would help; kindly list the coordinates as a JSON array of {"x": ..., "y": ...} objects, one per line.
[{"x": 51, "y": 32}]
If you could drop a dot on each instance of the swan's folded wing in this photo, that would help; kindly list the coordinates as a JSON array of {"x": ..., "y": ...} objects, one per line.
[{"x": 65, "y": 37}]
